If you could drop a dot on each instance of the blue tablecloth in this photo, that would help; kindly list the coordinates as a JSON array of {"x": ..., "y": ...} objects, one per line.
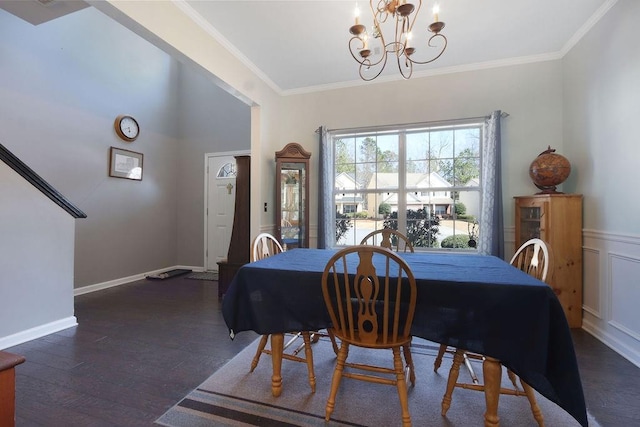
[{"x": 479, "y": 303}]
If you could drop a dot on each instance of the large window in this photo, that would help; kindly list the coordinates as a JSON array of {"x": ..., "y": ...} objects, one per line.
[{"x": 423, "y": 181}]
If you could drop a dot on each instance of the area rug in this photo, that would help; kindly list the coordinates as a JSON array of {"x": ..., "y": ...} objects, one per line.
[
  {"x": 232, "y": 396},
  {"x": 204, "y": 275}
]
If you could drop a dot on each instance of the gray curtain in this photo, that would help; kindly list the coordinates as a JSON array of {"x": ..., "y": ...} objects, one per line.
[
  {"x": 491, "y": 219},
  {"x": 325, "y": 185}
]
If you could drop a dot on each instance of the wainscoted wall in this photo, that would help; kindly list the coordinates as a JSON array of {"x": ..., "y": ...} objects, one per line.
[
  {"x": 611, "y": 288},
  {"x": 611, "y": 297}
]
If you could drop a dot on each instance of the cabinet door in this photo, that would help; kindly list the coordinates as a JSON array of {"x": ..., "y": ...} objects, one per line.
[
  {"x": 293, "y": 212},
  {"x": 532, "y": 216},
  {"x": 292, "y": 203}
]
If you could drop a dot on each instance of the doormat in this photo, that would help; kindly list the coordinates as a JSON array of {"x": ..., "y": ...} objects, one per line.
[
  {"x": 168, "y": 274},
  {"x": 205, "y": 275}
]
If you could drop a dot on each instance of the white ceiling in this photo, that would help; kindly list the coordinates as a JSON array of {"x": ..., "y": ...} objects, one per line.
[
  {"x": 299, "y": 45},
  {"x": 302, "y": 45},
  {"x": 38, "y": 11}
]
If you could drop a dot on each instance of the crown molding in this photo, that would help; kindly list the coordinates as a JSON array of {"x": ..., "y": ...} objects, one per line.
[{"x": 209, "y": 29}]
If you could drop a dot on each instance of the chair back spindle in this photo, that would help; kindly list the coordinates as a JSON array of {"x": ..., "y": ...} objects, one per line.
[
  {"x": 263, "y": 246},
  {"x": 533, "y": 257}
]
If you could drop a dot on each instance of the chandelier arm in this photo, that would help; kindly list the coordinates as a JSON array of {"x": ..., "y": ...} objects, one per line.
[
  {"x": 379, "y": 16},
  {"x": 379, "y": 13},
  {"x": 351, "y": 49},
  {"x": 398, "y": 47},
  {"x": 444, "y": 47},
  {"x": 407, "y": 70},
  {"x": 383, "y": 59},
  {"x": 365, "y": 61},
  {"x": 415, "y": 15}
]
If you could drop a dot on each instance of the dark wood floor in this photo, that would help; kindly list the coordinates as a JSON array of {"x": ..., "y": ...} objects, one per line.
[{"x": 139, "y": 348}]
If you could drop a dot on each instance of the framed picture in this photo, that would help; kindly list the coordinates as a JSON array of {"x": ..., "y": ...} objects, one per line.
[{"x": 125, "y": 164}]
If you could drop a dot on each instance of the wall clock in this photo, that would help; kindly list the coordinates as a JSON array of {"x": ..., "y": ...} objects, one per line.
[{"x": 127, "y": 128}]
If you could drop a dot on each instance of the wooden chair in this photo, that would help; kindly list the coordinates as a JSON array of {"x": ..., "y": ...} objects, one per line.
[
  {"x": 534, "y": 258},
  {"x": 371, "y": 308},
  {"x": 263, "y": 246},
  {"x": 390, "y": 239}
]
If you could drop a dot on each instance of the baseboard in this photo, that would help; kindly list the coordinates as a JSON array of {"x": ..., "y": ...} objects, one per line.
[
  {"x": 124, "y": 280},
  {"x": 613, "y": 343},
  {"x": 37, "y": 332}
]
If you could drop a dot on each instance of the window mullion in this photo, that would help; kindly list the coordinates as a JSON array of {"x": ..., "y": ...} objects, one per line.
[{"x": 402, "y": 182}]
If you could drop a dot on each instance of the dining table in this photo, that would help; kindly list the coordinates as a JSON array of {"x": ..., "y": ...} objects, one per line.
[{"x": 469, "y": 301}]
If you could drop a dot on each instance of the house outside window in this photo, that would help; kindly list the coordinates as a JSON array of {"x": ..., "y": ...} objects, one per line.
[
  {"x": 420, "y": 180},
  {"x": 349, "y": 208}
]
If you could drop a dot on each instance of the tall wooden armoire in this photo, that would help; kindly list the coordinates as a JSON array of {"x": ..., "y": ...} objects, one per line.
[
  {"x": 240, "y": 245},
  {"x": 556, "y": 219}
]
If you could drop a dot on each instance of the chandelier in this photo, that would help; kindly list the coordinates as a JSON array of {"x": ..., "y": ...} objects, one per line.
[{"x": 401, "y": 13}]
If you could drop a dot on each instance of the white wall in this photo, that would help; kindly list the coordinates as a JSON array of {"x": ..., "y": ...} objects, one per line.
[
  {"x": 62, "y": 84},
  {"x": 211, "y": 120},
  {"x": 36, "y": 247},
  {"x": 601, "y": 108},
  {"x": 169, "y": 28}
]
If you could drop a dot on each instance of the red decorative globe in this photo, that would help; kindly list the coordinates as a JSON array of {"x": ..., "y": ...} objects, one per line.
[{"x": 549, "y": 170}]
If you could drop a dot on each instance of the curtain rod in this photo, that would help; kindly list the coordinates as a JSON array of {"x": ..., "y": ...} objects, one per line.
[{"x": 502, "y": 115}]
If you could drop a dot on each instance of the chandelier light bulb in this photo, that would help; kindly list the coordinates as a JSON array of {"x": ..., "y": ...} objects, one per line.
[
  {"x": 357, "y": 14},
  {"x": 436, "y": 11}
]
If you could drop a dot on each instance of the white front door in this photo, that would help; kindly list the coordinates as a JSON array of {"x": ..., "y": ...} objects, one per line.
[{"x": 221, "y": 198}]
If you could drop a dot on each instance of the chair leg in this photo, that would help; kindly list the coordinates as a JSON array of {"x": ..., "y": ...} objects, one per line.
[
  {"x": 512, "y": 378},
  {"x": 492, "y": 373},
  {"x": 261, "y": 345},
  {"x": 537, "y": 413},
  {"x": 409, "y": 360},
  {"x": 402, "y": 387},
  {"x": 308, "y": 353},
  {"x": 335, "y": 381},
  {"x": 438, "y": 361},
  {"x": 458, "y": 358},
  {"x": 332, "y": 337}
]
